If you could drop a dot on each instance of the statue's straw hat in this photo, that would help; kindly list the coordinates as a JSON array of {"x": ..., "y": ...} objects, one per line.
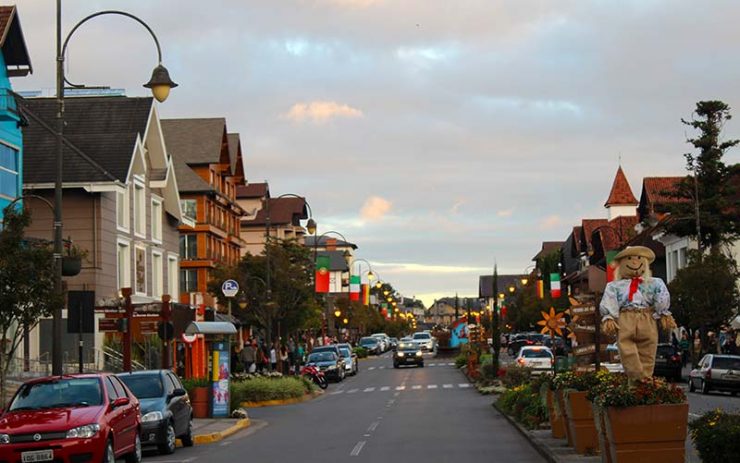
[{"x": 641, "y": 251}]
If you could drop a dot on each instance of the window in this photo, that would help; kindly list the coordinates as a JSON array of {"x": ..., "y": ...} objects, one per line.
[
  {"x": 188, "y": 280},
  {"x": 189, "y": 247},
  {"x": 189, "y": 208},
  {"x": 140, "y": 270},
  {"x": 8, "y": 171},
  {"x": 139, "y": 209},
  {"x": 172, "y": 272},
  {"x": 122, "y": 209},
  {"x": 157, "y": 275},
  {"x": 157, "y": 220},
  {"x": 124, "y": 265}
]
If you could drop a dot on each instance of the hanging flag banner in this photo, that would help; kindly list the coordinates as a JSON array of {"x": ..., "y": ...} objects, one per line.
[
  {"x": 322, "y": 274},
  {"x": 540, "y": 289},
  {"x": 555, "y": 285},
  {"x": 365, "y": 294},
  {"x": 354, "y": 288}
]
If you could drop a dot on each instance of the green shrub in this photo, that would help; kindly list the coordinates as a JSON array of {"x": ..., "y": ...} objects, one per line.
[
  {"x": 261, "y": 389},
  {"x": 524, "y": 404},
  {"x": 461, "y": 360},
  {"x": 360, "y": 351},
  {"x": 190, "y": 383},
  {"x": 515, "y": 376},
  {"x": 716, "y": 435}
]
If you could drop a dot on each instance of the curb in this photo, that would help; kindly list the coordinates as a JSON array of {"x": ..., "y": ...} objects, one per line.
[
  {"x": 271, "y": 403},
  {"x": 535, "y": 445},
  {"x": 202, "y": 439}
]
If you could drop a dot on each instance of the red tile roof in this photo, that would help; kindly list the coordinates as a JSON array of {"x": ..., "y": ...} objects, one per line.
[
  {"x": 617, "y": 232},
  {"x": 252, "y": 190},
  {"x": 621, "y": 194},
  {"x": 587, "y": 228},
  {"x": 547, "y": 248},
  {"x": 658, "y": 189}
]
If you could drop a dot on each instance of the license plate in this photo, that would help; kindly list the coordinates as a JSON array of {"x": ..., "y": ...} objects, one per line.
[{"x": 38, "y": 455}]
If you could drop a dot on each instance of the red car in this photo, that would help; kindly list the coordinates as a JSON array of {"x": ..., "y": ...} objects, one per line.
[{"x": 71, "y": 418}]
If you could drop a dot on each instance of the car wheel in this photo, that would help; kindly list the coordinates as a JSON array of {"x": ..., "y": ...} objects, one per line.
[
  {"x": 135, "y": 455},
  {"x": 168, "y": 447},
  {"x": 692, "y": 387},
  {"x": 704, "y": 387},
  {"x": 395, "y": 365},
  {"x": 187, "y": 439},
  {"x": 109, "y": 456},
  {"x": 421, "y": 365}
]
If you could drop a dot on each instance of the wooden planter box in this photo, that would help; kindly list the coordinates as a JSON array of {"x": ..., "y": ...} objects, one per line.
[
  {"x": 581, "y": 423},
  {"x": 600, "y": 422},
  {"x": 557, "y": 423},
  {"x": 564, "y": 413},
  {"x": 199, "y": 399},
  {"x": 648, "y": 433}
]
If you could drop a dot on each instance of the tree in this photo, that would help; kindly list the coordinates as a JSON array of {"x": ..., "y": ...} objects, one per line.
[
  {"x": 707, "y": 199},
  {"x": 26, "y": 287},
  {"x": 704, "y": 294}
]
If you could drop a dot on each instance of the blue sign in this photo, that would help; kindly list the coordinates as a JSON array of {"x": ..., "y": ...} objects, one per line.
[{"x": 230, "y": 288}]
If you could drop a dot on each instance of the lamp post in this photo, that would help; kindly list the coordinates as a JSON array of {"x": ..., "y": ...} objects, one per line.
[
  {"x": 316, "y": 241},
  {"x": 160, "y": 84}
]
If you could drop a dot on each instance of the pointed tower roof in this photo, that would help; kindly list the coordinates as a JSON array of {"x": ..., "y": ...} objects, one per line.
[{"x": 621, "y": 194}]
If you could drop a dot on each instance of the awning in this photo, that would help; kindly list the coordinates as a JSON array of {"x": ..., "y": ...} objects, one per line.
[{"x": 210, "y": 328}]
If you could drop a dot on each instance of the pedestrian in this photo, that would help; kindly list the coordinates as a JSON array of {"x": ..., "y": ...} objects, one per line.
[
  {"x": 683, "y": 345},
  {"x": 236, "y": 365},
  {"x": 674, "y": 340},
  {"x": 247, "y": 356},
  {"x": 273, "y": 358},
  {"x": 261, "y": 358},
  {"x": 284, "y": 365},
  {"x": 298, "y": 357}
]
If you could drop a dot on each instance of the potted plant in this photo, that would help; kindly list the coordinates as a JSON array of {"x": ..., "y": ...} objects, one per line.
[
  {"x": 559, "y": 383},
  {"x": 580, "y": 419},
  {"x": 645, "y": 420},
  {"x": 199, "y": 392},
  {"x": 605, "y": 381},
  {"x": 716, "y": 435},
  {"x": 72, "y": 259}
]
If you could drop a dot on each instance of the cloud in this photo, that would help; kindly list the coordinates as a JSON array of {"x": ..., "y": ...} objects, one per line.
[
  {"x": 321, "y": 111},
  {"x": 551, "y": 221},
  {"x": 375, "y": 208},
  {"x": 458, "y": 204},
  {"x": 505, "y": 213},
  {"x": 359, "y": 4}
]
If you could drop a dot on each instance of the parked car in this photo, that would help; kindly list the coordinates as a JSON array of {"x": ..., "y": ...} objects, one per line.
[
  {"x": 394, "y": 343},
  {"x": 327, "y": 362},
  {"x": 92, "y": 417},
  {"x": 556, "y": 344},
  {"x": 408, "y": 353},
  {"x": 668, "y": 363},
  {"x": 424, "y": 341},
  {"x": 372, "y": 345},
  {"x": 716, "y": 372},
  {"x": 519, "y": 340},
  {"x": 351, "y": 365},
  {"x": 166, "y": 413},
  {"x": 539, "y": 358},
  {"x": 385, "y": 341}
]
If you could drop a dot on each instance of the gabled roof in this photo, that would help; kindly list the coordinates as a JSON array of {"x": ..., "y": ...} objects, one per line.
[
  {"x": 196, "y": 141},
  {"x": 503, "y": 282},
  {"x": 235, "y": 155},
  {"x": 252, "y": 191},
  {"x": 621, "y": 193},
  {"x": 309, "y": 240},
  {"x": 13, "y": 44},
  {"x": 657, "y": 194},
  {"x": 577, "y": 244},
  {"x": 105, "y": 129},
  {"x": 187, "y": 180},
  {"x": 547, "y": 248},
  {"x": 283, "y": 211},
  {"x": 587, "y": 230}
]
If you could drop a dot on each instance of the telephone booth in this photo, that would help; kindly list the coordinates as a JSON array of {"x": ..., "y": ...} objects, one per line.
[{"x": 217, "y": 337}]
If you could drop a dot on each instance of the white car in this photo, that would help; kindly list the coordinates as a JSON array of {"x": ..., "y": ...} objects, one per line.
[
  {"x": 539, "y": 358},
  {"x": 385, "y": 341},
  {"x": 424, "y": 340}
]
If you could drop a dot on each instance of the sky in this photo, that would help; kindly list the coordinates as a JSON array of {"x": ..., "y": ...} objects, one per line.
[{"x": 442, "y": 137}]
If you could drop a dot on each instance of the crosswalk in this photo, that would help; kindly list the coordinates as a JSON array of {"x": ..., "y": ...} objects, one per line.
[
  {"x": 401, "y": 388},
  {"x": 432, "y": 365}
]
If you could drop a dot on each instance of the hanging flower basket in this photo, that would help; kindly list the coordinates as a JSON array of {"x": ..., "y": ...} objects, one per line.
[{"x": 71, "y": 265}]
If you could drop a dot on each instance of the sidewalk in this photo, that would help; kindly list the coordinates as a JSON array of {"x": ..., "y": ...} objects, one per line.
[{"x": 207, "y": 431}]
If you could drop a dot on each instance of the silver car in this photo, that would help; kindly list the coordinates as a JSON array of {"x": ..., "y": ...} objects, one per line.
[
  {"x": 716, "y": 372},
  {"x": 351, "y": 367}
]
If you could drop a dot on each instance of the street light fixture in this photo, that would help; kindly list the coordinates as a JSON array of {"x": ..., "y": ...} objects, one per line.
[
  {"x": 160, "y": 84},
  {"x": 243, "y": 302}
]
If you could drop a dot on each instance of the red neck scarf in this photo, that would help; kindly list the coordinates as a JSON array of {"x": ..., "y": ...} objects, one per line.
[{"x": 634, "y": 284}]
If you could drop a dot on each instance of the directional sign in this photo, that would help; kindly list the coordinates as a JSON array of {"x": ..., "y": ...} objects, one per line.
[
  {"x": 230, "y": 288},
  {"x": 585, "y": 329},
  {"x": 586, "y": 310},
  {"x": 584, "y": 350},
  {"x": 108, "y": 324}
]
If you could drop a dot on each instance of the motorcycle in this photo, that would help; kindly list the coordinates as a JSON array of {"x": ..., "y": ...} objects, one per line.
[{"x": 315, "y": 375}]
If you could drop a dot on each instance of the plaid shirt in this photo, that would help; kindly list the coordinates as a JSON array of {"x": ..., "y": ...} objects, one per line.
[{"x": 650, "y": 293}]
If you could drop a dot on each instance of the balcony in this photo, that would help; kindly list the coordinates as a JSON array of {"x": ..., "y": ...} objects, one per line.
[{"x": 8, "y": 106}]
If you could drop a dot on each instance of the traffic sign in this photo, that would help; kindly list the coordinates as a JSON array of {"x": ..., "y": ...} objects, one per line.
[{"x": 230, "y": 288}]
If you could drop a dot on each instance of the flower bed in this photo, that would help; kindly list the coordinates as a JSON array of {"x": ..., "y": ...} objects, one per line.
[
  {"x": 716, "y": 435},
  {"x": 263, "y": 389},
  {"x": 524, "y": 403}
]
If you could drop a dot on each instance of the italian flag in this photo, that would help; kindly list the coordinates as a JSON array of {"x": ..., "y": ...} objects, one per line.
[
  {"x": 322, "y": 274},
  {"x": 354, "y": 288},
  {"x": 555, "y": 285}
]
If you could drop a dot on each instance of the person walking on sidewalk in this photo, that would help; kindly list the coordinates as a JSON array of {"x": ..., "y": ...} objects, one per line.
[
  {"x": 273, "y": 358},
  {"x": 683, "y": 345},
  {"x": 247, "y": 356},
  {"x": 284, "y": 365}
]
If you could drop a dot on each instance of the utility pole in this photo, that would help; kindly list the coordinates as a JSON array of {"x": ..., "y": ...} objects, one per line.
[{"x": 495, "y": 329}]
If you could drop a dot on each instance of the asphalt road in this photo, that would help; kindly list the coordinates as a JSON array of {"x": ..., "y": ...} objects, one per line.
[{"x": 383, "y": 414}]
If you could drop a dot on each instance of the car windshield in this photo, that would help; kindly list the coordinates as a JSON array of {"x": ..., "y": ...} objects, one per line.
[
  {"x": 408, "y": 347},
  {"x": 726, "y": 363},
  {"x": 422, "y": 336},
  {"x": 532, "y": 353},
  {"x": 58, "y": 393},
  {"x": 368, "y": 341},
  {"x": 322, "y": 357},
  {"x": 144, "y": 386},
  {"x": 345, "y": 352}
]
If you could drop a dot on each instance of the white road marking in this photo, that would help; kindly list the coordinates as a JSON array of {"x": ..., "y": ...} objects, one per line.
[
  {"x": 381, "y": 368},
  {"x": 416, "y": 387},
  {"x": 447, "y": 386},
  {"x": 358, "y": 448},
  {"x": 431, "y": 386},
  {"x": 432, "y": 365},
  {"x": 385, "y": 388},
  {"x": 369, "y": 389},
  {"x": 463, "y": 385},
  {"x": 225, "y": 443},
  {"x": 396, "y": 394},
  {"x": 352, "y": 391},
  {"x": 391, "y": 402},
  {"x": 370, "y": 368},
  {"x": 336, "y": 392},
  {"x": 373, "y": 426},
  {"x": 451, "y": 364},
  {"x": 400, "y": 388}
]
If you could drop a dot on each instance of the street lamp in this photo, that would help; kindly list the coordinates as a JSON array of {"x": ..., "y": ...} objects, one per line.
[{"x": 160, "y": 84}]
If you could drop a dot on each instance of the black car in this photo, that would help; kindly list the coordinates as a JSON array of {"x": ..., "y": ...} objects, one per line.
[
  {"x": 166, "y": 414},
  {"x": 372, "y": 345},
  {"x": 668, "y": 362},
  {"x": 408, "y": 353},
  {"x": 523, "y": 339},
  {"x": 328, "y": 362}
]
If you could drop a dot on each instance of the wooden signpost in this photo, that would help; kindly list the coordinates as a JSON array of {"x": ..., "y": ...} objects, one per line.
[{"x": 585, "y": 325}]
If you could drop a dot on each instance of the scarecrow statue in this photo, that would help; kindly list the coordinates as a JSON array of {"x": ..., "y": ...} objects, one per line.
[{"x": 630, "y": 308}]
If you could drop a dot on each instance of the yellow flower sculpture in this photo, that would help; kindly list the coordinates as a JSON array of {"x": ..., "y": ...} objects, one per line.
[
  {"x": 572, "y": 326},
  {"x": 552, "y": 323}
]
